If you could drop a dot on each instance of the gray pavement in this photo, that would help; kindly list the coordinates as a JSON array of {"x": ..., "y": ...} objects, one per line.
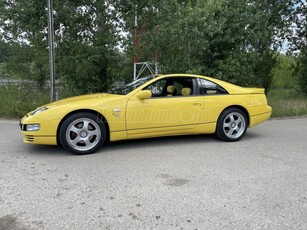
[{"x": 188, "y": 182}]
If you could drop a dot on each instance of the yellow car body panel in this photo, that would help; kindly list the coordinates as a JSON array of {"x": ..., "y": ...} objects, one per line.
[{"x": 130, "y": 117}]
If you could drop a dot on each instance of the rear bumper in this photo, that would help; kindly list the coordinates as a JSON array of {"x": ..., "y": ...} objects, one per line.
[{"x": 255, "y": 120}]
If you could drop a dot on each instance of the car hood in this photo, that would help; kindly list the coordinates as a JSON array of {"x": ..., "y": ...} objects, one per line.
[{"x": 84, "y": 100}]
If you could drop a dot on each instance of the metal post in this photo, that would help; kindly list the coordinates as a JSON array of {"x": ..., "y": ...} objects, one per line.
[
  {"x": 51, "y": 49},
  {"x": 136, "y": 43},
  {"x": 156, "y": 67},
  {"x": 134, "y": 71}
]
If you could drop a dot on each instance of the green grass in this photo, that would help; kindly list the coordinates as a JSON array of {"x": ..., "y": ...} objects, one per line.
[
  {"x": 287, "y": 103},
  {"x": 15, "y": 101}
]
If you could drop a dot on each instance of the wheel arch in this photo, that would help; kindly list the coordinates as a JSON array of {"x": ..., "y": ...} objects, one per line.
[
  {"x": 94, "y": 112},
  {"x": 240, "y": 107}
]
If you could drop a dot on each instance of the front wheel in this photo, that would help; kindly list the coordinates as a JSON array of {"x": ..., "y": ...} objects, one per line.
[
  {"x": 82, "y": 133},
  {"x": 231, "y": 125}
]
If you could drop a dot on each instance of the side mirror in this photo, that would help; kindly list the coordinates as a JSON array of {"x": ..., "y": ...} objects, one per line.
[{"x": 144, "y": 94}]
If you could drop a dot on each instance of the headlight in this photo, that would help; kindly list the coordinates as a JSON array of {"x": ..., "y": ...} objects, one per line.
[
  {"x": 39, "y": 110},
  {"x": 33, "y": 127}
]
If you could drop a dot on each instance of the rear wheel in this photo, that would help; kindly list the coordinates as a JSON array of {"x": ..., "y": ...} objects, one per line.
[
  {"x": 231, "y": 125},
  {"x": 82, "y": 133}
]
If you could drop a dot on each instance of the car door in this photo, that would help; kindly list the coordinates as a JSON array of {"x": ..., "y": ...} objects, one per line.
[{"x": 163, "y": 113}]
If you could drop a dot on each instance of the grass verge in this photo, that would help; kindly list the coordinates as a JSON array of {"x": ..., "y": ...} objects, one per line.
[{"x": 287, "y": 102}]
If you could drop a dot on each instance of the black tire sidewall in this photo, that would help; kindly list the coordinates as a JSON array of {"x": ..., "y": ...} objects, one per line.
[
  {"x": 73, "y": 117},
  {"x": 219, "y": 129}
]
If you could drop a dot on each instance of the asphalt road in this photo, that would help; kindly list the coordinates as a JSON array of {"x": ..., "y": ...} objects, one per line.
[{"x": 195, "y": 182}]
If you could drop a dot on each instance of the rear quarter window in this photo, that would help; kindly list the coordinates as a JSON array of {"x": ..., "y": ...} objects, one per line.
[{"x": 210, "y": 88}]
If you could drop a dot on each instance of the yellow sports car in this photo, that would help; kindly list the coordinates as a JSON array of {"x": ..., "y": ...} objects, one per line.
[{"x": 153, "y": 106}]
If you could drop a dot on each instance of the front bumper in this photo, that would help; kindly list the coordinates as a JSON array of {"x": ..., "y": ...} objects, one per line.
[
  {"x": 41, "y": 140},
  {"x": 45, "y": 136}
]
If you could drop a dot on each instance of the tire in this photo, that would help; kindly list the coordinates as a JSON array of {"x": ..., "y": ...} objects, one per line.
[
  {"x": 231, "y": 125},
  {"x": 82, "y": 133}
]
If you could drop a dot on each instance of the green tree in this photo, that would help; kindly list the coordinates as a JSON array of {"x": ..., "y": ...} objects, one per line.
[
  {"x": 4, "y": 51},
  {"x": 302, "y": 71},
  {"x": 284, "y": 73},
  {"x": 86, "y": 44},
  {"x": 231, "y": 40},
  {"x": 4, "y": 54},
  {"x": 23, "y": 24},
  {"x": 298, "y": 38},
  {"x": 85, "y": 39}
]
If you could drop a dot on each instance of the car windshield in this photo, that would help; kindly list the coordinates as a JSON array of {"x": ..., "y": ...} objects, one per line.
[{"x": 132, "y": 86}]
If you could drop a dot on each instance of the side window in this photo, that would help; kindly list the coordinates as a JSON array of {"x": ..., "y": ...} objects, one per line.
[
  {"x": 157, "y": 87},
  {"x": 210, "y": 88},
  {"x": 172, "y": 86}
]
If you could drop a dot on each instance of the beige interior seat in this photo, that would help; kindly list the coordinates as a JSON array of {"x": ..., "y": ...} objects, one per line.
[
  {"x": 186, "y": 91},
  {"x": 170, "y": 90}
]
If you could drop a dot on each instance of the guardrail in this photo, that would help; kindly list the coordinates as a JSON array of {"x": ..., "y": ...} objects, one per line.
[
  {"x": 16, "y": 82},
  {"x": 6, "y": 82}
]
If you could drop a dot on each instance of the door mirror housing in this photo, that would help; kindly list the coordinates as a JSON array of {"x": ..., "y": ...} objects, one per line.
[{"x": 144, "y": 94}]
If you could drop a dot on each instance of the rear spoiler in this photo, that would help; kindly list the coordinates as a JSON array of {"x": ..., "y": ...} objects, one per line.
[
  {"x": 242, "y": 90},
  {"x": 256, "y": 90}
]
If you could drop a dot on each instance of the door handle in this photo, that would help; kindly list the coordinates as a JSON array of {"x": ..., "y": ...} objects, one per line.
[{"x": 197, "y": 103}]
